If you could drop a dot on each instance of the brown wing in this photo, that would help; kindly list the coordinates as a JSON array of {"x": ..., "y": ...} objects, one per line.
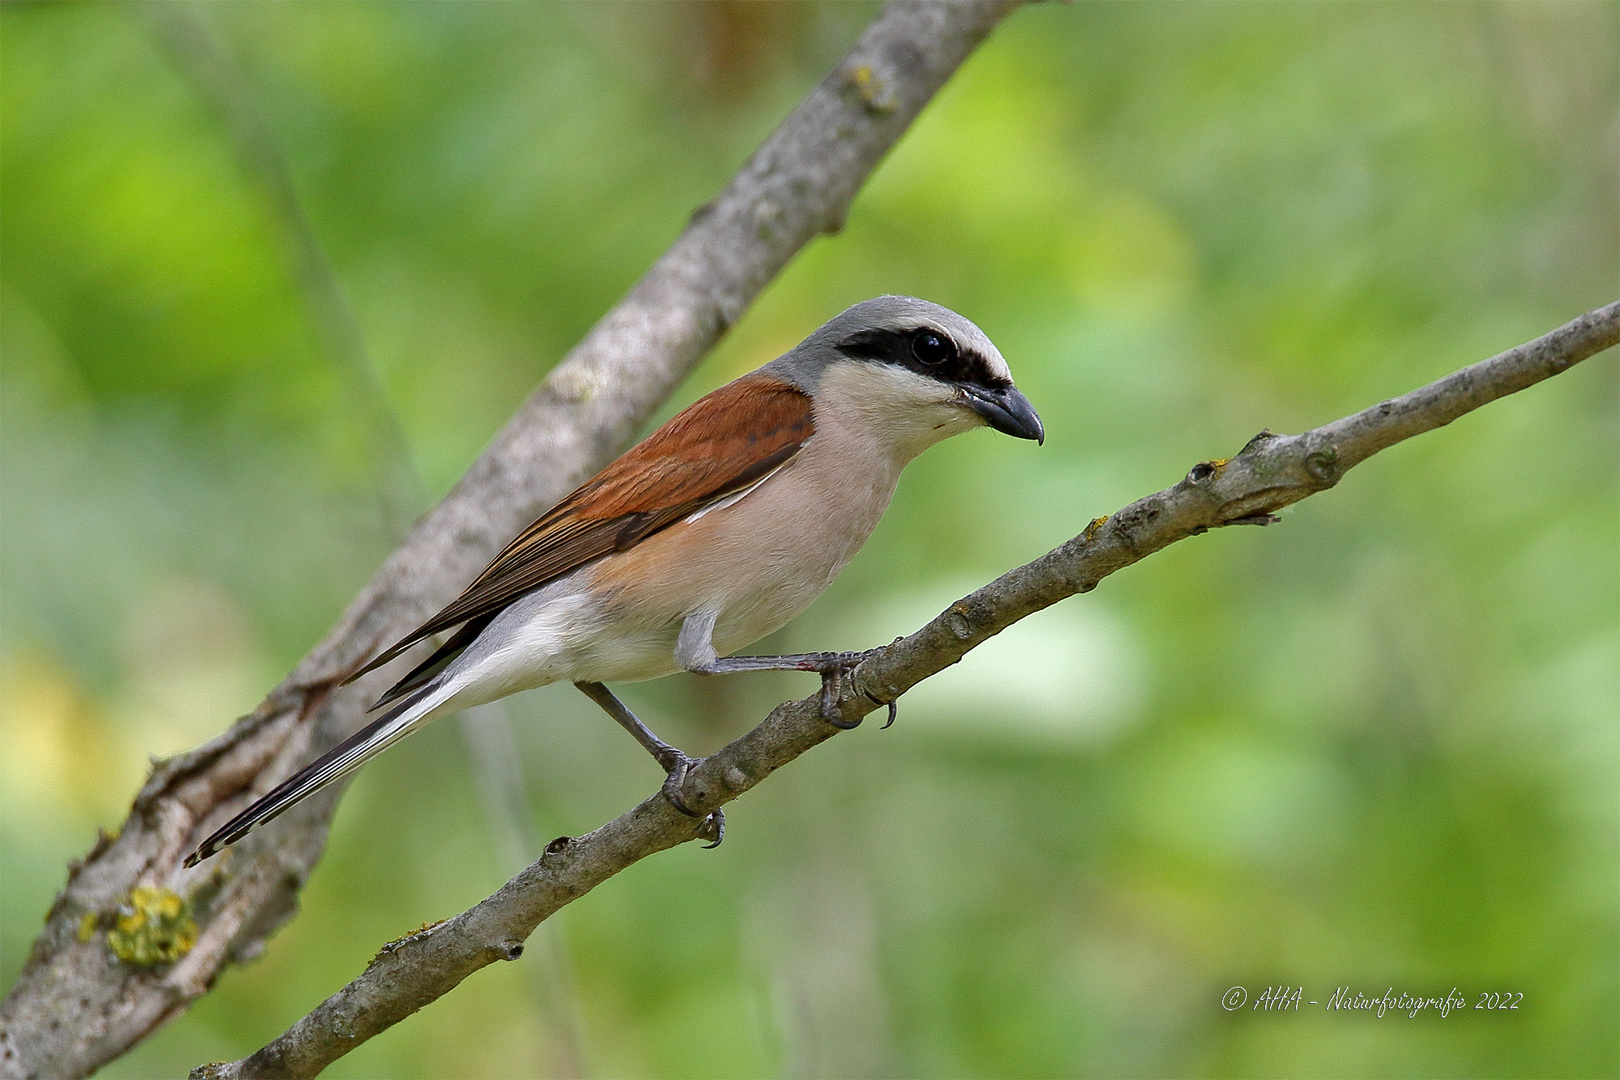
[{"x": 715, "y": 447}]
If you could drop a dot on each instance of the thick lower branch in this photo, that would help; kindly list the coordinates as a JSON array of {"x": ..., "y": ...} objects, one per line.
[{"x": 1269, "y": 473}]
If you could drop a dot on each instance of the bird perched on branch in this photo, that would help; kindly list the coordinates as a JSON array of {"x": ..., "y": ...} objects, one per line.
[{"x": 709, "y": 534}]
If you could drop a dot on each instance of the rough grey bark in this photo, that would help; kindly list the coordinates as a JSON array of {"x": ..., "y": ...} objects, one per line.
[
  {"x": 1268, "y": 474},
  {"x": 76, "y": 1005}
]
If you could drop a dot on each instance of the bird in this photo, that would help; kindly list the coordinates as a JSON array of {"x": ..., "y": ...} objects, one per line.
[{"x": 712, "y": 532}]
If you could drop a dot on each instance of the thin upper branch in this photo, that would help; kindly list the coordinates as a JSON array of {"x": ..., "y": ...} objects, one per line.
[
  {"x": 798, "y": 185},
  {"x": 1268, "y": 474}
]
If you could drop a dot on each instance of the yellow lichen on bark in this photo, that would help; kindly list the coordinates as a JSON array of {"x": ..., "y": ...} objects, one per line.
[{"x": 154, "y": 926}]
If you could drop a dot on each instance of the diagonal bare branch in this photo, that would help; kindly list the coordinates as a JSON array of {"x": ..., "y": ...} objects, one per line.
[
  {"x": 1269, "y": 473},
  {"x": 797, "y": 185}
]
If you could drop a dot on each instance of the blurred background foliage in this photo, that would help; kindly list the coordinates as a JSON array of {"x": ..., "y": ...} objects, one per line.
[{"x": 1374, "y": 745}]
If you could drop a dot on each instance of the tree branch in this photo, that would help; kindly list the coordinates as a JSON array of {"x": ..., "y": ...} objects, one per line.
[
  {"x": 799, "y": 184},
  {"x": 1268, "y": 474}
]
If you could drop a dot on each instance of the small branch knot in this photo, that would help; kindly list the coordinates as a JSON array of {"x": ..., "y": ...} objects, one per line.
[{"x": 1323, "y": 464}]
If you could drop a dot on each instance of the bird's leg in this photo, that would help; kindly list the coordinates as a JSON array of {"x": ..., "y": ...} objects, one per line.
[
  {"x": 694, "y": 651},
  {"x": 833, "y": 667},
  {"x": 674, "y": 763}
]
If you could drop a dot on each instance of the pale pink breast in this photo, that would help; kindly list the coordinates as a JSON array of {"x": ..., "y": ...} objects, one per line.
[{"x": 763, "y": 560}]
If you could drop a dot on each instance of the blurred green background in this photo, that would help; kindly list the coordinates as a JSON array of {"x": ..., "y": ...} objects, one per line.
[{"x": 1372, "y": 746}]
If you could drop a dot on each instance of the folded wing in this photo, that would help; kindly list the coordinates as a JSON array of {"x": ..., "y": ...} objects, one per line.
[{"x": 711, "y": 451}]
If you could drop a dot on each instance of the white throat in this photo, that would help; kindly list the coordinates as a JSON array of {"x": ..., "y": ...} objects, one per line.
[{"x": 894, "y": 411}]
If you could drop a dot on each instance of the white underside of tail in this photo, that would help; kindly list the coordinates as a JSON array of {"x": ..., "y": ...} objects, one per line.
[{"x": 515, "y": 653}]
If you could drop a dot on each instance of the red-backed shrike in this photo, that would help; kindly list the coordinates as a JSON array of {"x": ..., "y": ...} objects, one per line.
[{"x": 707, "y": 535}]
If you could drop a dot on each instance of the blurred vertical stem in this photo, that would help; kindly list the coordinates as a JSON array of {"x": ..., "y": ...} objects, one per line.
[
  {"x": 492, "y": 751},
  {"x": 200, "y": 55},
  {"x": 203, "y": 59}
]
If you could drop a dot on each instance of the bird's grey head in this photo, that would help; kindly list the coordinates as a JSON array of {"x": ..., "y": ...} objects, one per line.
[{"x": 933, "y": 345}]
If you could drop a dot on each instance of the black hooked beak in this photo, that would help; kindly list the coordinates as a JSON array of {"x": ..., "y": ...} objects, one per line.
[{"x": 1006, "y": 410}]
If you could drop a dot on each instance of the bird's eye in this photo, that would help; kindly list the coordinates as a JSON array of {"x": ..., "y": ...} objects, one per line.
[{"x": 929, "y": 348}]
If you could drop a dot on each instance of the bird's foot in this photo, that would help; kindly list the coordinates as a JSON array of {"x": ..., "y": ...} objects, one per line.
[
  {"x": 713, "y": 826},
  {"x": 834, "y": 669}
]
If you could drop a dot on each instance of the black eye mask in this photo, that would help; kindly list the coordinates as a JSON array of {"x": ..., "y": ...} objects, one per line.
[{"x": 926, "y": 351}]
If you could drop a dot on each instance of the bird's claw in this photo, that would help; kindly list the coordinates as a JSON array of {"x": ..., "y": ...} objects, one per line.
[
  {"x": 678, "y": 765},
  {"x": 893, "y": 707},
  {"x": 713, "y": 825},
  {"x": 832, "y": 684},
  {"x": 834, "y": 670},
  {"x": 712, "y": 828}
]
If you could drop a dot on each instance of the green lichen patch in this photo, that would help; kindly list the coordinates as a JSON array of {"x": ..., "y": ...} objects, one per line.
[{"x": 154, "y": 926}]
